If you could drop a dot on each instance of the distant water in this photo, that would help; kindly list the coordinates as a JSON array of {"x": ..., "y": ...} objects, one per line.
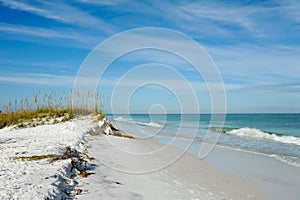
[{"x": 274, "y": 135}]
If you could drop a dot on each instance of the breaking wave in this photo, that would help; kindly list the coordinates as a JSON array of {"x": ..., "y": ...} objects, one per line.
[
  {"x": 258, "y": 134},
  {"x": 152, "y": 123}
]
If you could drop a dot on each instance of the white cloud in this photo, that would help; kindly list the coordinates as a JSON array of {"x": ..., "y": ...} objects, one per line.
[
  {"x": 215, "y": 18},
  {"x": 62, "y": 12},
  {"x": 257, "y": 63},
  {"x": 68, "y": 34},
  {"x": 290, "y": 9},
  {"x": 39, "y": 79},
  {"x": 34, "y": 31},
  {"x": 102, "y": 2},
  {"x": 219, "y": 12}
]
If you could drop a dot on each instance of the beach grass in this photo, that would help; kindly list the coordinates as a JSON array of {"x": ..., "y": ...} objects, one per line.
[{"x": 50, "y": 108}]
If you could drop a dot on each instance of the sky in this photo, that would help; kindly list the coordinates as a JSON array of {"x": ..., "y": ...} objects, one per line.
[{"x": 254, "y": 44}]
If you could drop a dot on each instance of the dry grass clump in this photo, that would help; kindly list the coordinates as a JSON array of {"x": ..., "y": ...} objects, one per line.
[{"x": 33, "y": 158}]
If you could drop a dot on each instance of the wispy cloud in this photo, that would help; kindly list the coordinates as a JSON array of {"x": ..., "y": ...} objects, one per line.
[
  {"x": 257, "y": 63},
  {"x": 78, "y": 28},
  {"x": 61, "y": 12},
  {"x": 232, "y": 22},
  {"x": 219, "y": 13},
  {"x": 228, "y": 21},
  {"x": 39, "y": 32},
  {"x": 39, "y": 79},
  {"x": 217, "y": 16},
  {"x": 290, "y": 9},
  {"x": 34, "y": 31},
  {"x": 276, "y": 88},
  {"x": 102, "y": 2}
]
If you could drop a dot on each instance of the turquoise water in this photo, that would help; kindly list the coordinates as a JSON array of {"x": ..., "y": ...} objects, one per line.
[{"x": 274, "y": 135}]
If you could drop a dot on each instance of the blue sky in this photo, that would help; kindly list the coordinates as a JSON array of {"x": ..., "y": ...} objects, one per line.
[{"x": 255, "y": 45}]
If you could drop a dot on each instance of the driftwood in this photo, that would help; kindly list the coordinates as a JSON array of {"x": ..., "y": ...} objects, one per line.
[
  {"x": 112, "y": 126},
  {"x": 79, "y": 166},
  {"x": 107, "y": 128},
  {"x": 67, "y": 153}
]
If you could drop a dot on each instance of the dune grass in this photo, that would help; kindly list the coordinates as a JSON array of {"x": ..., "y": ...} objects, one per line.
[
  {"x": 50, "y": 108},
  {"x": 20, "y": 118}
]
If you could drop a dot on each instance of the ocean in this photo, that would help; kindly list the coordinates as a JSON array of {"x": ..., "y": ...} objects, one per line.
[{"x": 272, "y": 135}]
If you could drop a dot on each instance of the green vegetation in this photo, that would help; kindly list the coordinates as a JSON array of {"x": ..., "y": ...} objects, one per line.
[
  {"x": 50, "y": 108},
  {"x": 101, "y": 116},
  {"x": 34, "y": 117}
]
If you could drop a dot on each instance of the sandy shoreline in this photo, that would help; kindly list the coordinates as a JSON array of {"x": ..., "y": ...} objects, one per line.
[
  {"x": 277, "y": 179},
  {"x": 187, "y": 178}
]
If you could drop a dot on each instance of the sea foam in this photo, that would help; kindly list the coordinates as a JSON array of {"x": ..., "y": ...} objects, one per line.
[
  {"x": 151, "y": 123},
  {"x": 259, "y": 134}
]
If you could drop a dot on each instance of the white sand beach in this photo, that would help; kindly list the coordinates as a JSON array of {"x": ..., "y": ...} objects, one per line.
[
  {"x": 149, "y": 100},
  {"x": 37, "y": 179},
  {"x": 112, "y": 172}
]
